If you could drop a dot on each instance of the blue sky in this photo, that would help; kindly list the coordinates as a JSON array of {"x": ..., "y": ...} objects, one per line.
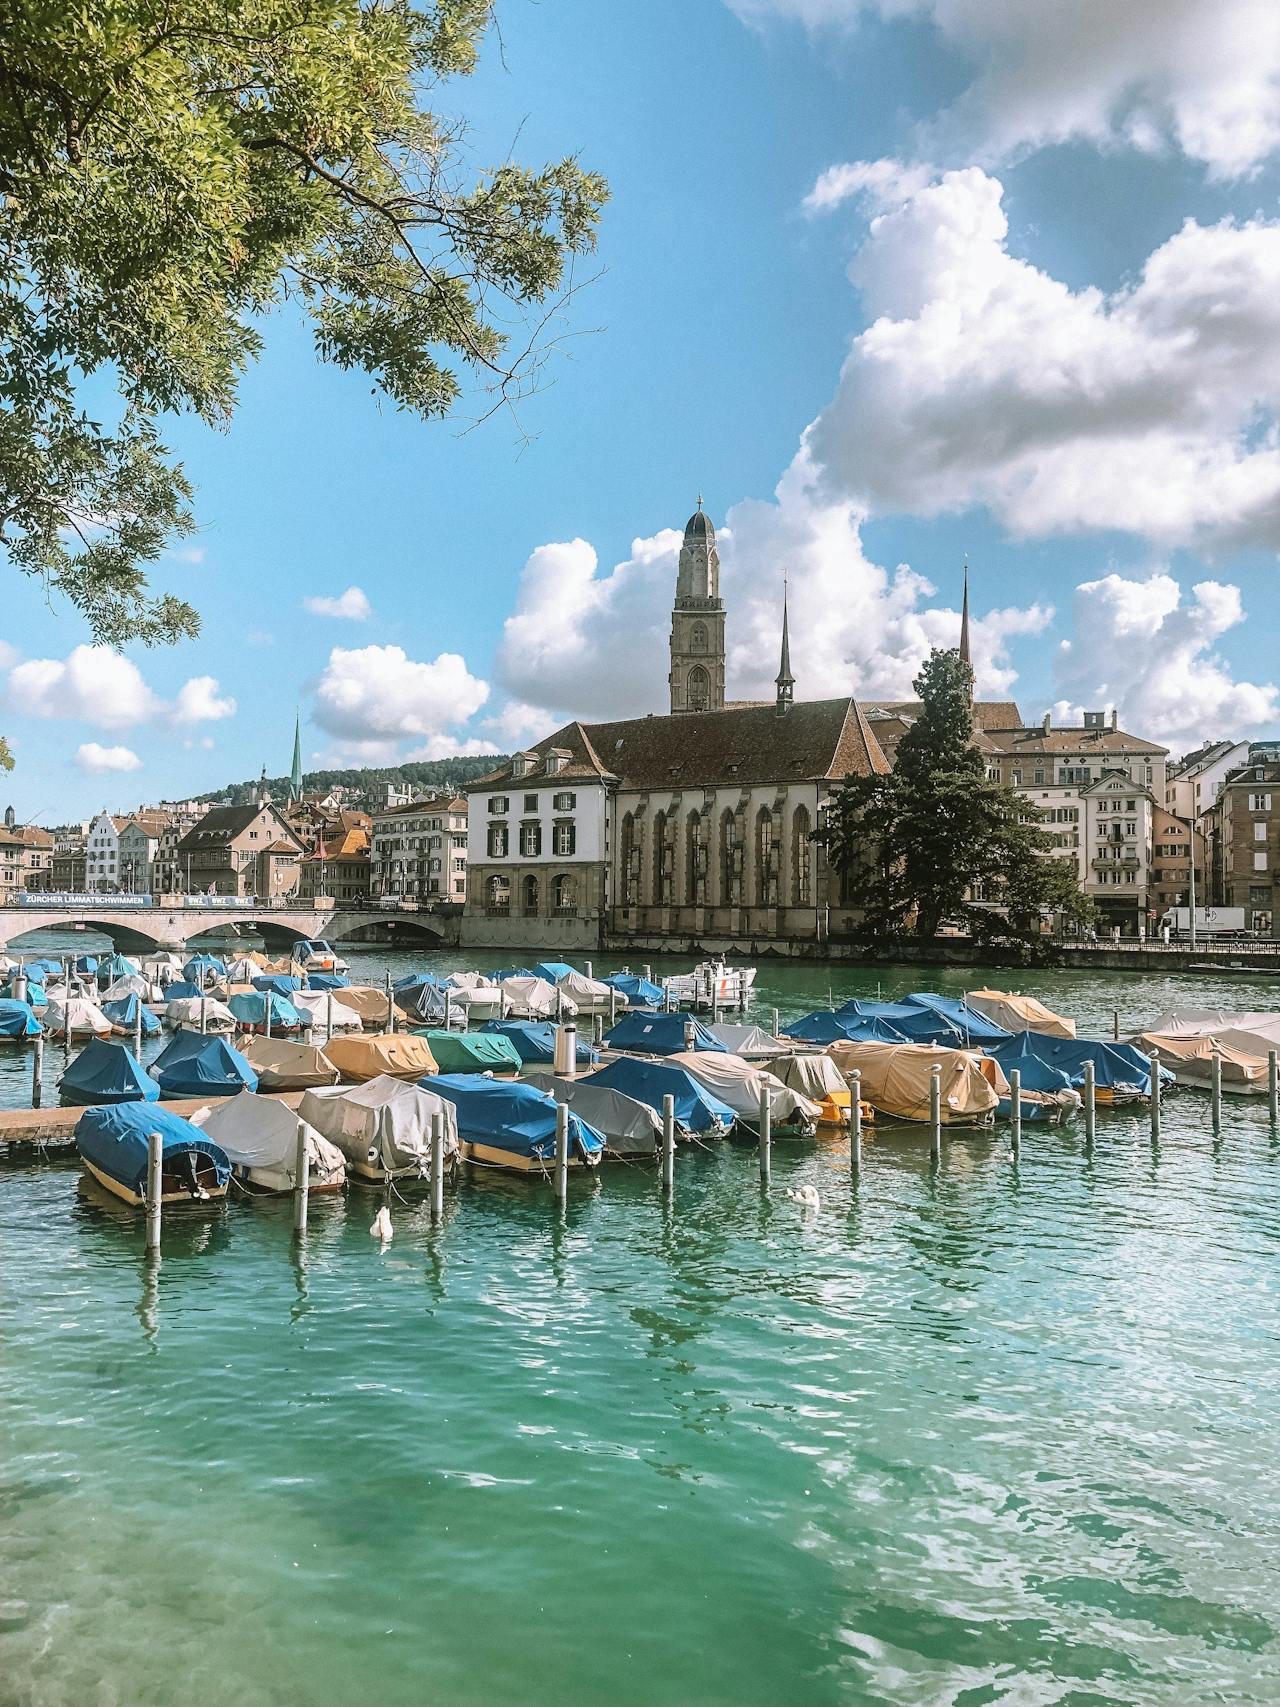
[{"x": 1029, "y": 396}]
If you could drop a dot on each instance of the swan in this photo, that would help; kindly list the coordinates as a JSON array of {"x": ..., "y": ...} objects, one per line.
[{"x": 382, "y": 1228}]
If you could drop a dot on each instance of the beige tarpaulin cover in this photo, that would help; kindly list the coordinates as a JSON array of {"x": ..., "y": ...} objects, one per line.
[
  {"x": 752, "y": 1043},
  {"x": 896, "y": 1076},
  {"x": 285, "y": 1066},
  {"x": 386, "y": 1116},
  {"x": 1255, "y": 1033},
  {"x": 369, "y": 1003},
  {"x": 741, "y": 1085},
  {"x": 1190, "y": 1059},
  {"x": 400, "y": 1054},
  {"x": 818, "y": 1078},
  {"x": 1020, "y": 1013}
]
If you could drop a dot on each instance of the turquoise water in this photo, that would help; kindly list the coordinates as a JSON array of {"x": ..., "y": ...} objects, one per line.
[{"x": 985, "y": 1433}]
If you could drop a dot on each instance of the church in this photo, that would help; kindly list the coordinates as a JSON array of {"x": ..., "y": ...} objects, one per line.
[{"x": 689, "y": 831}]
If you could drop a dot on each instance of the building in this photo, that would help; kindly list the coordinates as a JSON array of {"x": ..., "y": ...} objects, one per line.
[
  {"x": 1171, "y": 862},
  {"x": 696, "y": 678},
  {"x": 338, "y": 866},
  {"x": 1193, "y": 782},
  {"x": 138, "y": 845},
  {"x": 169, "y": 875},
  {"x": 70, "y": 870},
  {"x": 240, "y": 850},
  {"x": 26, "y": 858},
  {"x": 420, "y": 850},
  {"x": 102, "y": 853},
  {"x": 1248, "y": 838}
]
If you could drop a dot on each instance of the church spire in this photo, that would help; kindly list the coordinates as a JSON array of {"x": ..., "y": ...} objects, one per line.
[
  {"x": 785, "y": 681},
  {"x": 295, "y": 775},
  {"x": 965, "y": 655}
]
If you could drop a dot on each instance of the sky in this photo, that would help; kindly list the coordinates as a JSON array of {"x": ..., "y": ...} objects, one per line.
[{"x": 890, "y": 283}]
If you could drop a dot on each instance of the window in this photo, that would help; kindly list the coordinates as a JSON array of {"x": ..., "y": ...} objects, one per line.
[
  {"x": 554, "y": 763},
  {"x": 529, "y": 896},
  {"x": 1037, "y": 775},
  {"x": 564, "y": 838},
  {"x": 629, "y": 862},
  {"x": 497, "y": 841},
  {"x": 564, "y": 802},
  {"x": 698, "y": 637},
  {"x": 531, "y": 803},
  {"x": 498, "y": 895},
  {"x": 1260, "y": 831},
  {"x": 730, "y": 862},
  {"x": 1259, "y": 894},
  {"x": 530, "y": 841},
  {"x": 801, "y": 857},
  {"x": 521, "y": 765},
  {"x": 1259, "y": 803},
  {"x": 699, "y": 689},
  {"x": 564, "y": 894},
  {"x": 499, "y": 803},
  {"x": 993, "y": 773},
  {"x": 695, "y": 860}
]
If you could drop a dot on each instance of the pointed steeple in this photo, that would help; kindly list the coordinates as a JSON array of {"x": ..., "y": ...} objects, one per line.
[
  {"x": 964, "y": 629},
  {"x": 784, "y": 680},
  {"x": 295, "y": 775}
]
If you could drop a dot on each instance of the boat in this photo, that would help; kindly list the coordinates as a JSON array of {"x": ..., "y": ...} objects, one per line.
[
  {"x": 823, "y": 1027},
  {"x": 661, "y": 1034},
  {"x": 243, "y": 970},
  {"x": 132, "y": 984},
  {"x": 128, "y": 1013},
  {"x": 470, "y": 1002},
  {"x": 712, "y": 984},
  {"x": 371, "y": 1004},
  {"x": 1122, "y": 1074},
  {"x": 326, "y": 980},
  {"x": 18, "y": 1021},
  {"x": 199, "y": 1013},
  {"x": 383, "y": 1128},
  {"x": 533, "y": 998},
  {"x": 260, "y": 1139},
  {"x": 1016, "y": 1012},
  {"x": 278, "y": 983},
  {"x": 205, "y": 969},
  {"x": 318, "y": 955},
  {"x": 105, "y": 1073},
  {"x": 425, "y": 1002},
  {"x": 535, "y": 1043},
  {"x": 506, "y": 1123},
  {"x": 75, "y": 1016},
  {"x": 475, "y": 1052},
  {"x": 1045, "y": 1093},
  {"x": 1244, "y": 1072},
  {"x": 112, "y": 1142},
  {"x": 1253, "y": 1033},
  {"x": 649, "y": 1080},
  {"x": 398, "y": 1055},
  {"x": 817, "y": 1077},
  {"x": 116, "y": 966},
  {"x": 971, "y": 1025},
  {"x": 283, "y": 1064},
  {"x": 636, "y": 992},
  {"x": 896, "y": 1079},
  {"x": 749, "y": 1041},
  {"x": 265, "y": 1011},
  {"x": 86, "y": 965},
  {"x": 629, "y": 1127},
  {"x": 555, "y": 971},
  {"x": 744, "y": 1086},
  {"x": 323, "y": 1010},
  {"x": 589, "y": 995},
  {"x": 194, "y": 1066}
]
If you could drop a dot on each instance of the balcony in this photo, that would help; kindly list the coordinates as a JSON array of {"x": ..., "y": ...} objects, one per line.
[{"x": 1104, "y": 862}]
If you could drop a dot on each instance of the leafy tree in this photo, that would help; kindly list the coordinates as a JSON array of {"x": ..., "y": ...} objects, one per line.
[
  {"x": 170, "y": 170},
  {"x": 913, "y": 845}
]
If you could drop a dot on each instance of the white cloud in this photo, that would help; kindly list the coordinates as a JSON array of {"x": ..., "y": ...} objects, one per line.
[
  {"x": 449, "y": 747},
  {"x": 351, "y": 606},
  {"x": 205, "y": 743},
  {"x": 198, "y": 702},
  {"x": 259, "y": 637},
  {"x": 379, "y": 694},
  {"x": 1140, "y": 646},
  {"x": 1201, "y": 75},
  {"x": 984, "y": 380},
  {"x": 93, "y": 685},
  {"x": 97, "y": 759},
  {"x": 518, "y": 725}
]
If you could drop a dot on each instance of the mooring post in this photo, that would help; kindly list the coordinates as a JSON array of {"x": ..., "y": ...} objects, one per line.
[
  {"x": 137, "y": 1029},
  {"x": 648, "y": 974},
  {"x": 1273, "y": 1085},
  {"x": 301, "y": 1178},
  {"x": 266, "y": 1012},
  {"x": 437, "y": 1167},
  {"x": 1015, "y": 1108},
  {"x": 559, "y": 1004},
  {"x": 597, "y": 1028},
  {"x": 588, "y": 966},
  {"x": 203, "y": 1020},
  {"x": 668, "y": 1143},
  {"x": 1216, "y": 1083},
  {"x": 1155, "y": 1094},
  {"x": 391, "y": 1007},
  {"x": 766, "y": 1136},
  {"x": 1115, "y": 1025},
  {"x": 855, "y": 1120},
  {"x": 1090, "y": 1104},
  {"x": 155, "y": 1187},
  {"x": 613, "y": 1007},
  {"x": 37, "y": 1071},
  {"x": 935, "y": 1114},
  {"x": 774, "y": 1032},
  {"x": 562, "y": 1153}
]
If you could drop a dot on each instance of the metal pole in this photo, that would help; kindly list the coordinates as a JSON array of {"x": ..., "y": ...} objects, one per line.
[
  {"x": 301, "y": 1179},
  {"x": 203, "y": 1021},
  {"x": 855, "y": 1120},
  {"x": 935, "y": 1114},
  {"x": 37, "y": 1072},
  {"x": 597, "y": 1028},
  {"x": 1115, "y": 1025},
  {"x": 437, "y": 1167},
  {"x": 1155, "y": 1093},
  {"x": 328, "y": 1016},
  {"x": 1090, "y": 1103},
  {"x": 155, "y": 1187},
  {"x": 266, "y": 1011},
  {"x": 1216, "y": 1083},
  {"x": 668, "y": 1143},
  {"x": 1015, "y": 1105},
  {"x": 588, "y": 966},
  {"x": 562, "y": 1153},
  {"x": 391, "y": 1006},
  {"x": 137, "y": 1029},
  {"x": 613, "y": 1007},
  {"x": 766, "y": 1136},
  {"x": 775, "y": 1023},
  {"x": 1191, "y": 832},
  {"x": 648, "y": 974},
  {"x": 1273, "y": 1085}
]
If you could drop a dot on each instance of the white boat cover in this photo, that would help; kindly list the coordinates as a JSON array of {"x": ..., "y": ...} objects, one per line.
[
  {"x": 82, "y": 1017},
  {"x": 628, "y": 1127},
  {"x": 261, "y": 1134},
  {"x": 470, "y": 981},
  {"x": 315, "y": 1004},
  {"x": 1262, "y": 1028},
  {"x": 896, "y": 1078},
  {"x": 589, "y": 995},
  {"x": 184, "y": 1014},
  {"x": 244, "y": 969},
  {"x": 146, "y": 989},
  {"x": 1190, "y": 1059},
  {"x": 282, "y": 1065},
  {"x": 399, "y": 1055},
  {"x": 476, "y": 1001},
  {"x": 163, "y": 962},
  {"x": 534, "y": 998},
  {"x": 1020, "y": 1013},
  {"x": 367, "y": 1001},
  {"x": 749, "y": 1041},
  {"x": 386, "y": 1116},
  {"x": 741, "y": 1085}
]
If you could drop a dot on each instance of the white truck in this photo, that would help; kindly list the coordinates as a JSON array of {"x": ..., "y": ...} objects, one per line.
[{"x": 1210, "y": 922}]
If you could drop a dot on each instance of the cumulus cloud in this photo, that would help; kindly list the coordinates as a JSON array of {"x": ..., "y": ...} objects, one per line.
[
  {"x": 351, "y": 606},
  {"x": 984, "y": 380},
  {"x": 199, "y": 702},
  {"x": 98, "y": 760},
  {"x": 380, "y": 694},
  {"x": 1139, "y": 645},
  {"x": 92, "y": 684},
  {"x": 1199, "y": 75}
]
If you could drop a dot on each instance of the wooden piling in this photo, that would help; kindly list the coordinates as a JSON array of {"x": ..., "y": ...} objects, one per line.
[
  {"x": 391, "y": 1006},
  {"x": 668, "y": 1143},
  {"x": 301, "y": 1179}
]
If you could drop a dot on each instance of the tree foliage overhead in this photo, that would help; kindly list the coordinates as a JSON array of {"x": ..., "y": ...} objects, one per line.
[
  {"x": 171, "y": 170},
  {"x": 914, "y": 845}
]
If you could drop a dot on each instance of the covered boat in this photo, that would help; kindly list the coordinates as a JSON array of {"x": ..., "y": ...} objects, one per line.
[
  {"x": 367, "y": 1001},
  {"x": 243, "y": 970},
  {"x": 164, "y": 966},
  {"x": 193, "y": 1066},
  {"x": 1190, "y": 1060},
  {"x": 323, "y": 1010},
  {"x": 1121, "y": 1072},
  {"x": 555, "y": 971},
  {"x": 190, "y": 1013},
  {"x": 713, "y": 984},
  {"x": 132, "y": 984},
  {"x": 260, "y": 1138},
  {"x": 127, "y": 1013},
  {"x": 974, "y": 1027},
  {"x": 1016, "y": 1012},
  {"x": 534, "y": 998},
  {"x": 628, "y": 1127},
  {"x": 112, "y": 1141},
  {"x": 589, "y": 995},
  {"x": 283, "y": 1064},
  {"x": 743, "y": 1086},
  {"x": 506, "y": 1123},
  {"x": 473, "y": 1002},
  {"x": 278, "y": 983},
  {"x": 86, "y": 965},
  {"x": 636, "y": 992},
  {"x": 896, "y": 1078},
  {"x": 75, "y": 1016},
  {"x": 398, "y": 1055},
  {"x": 428, "y": 1004},
  {"x": 204, "y": 969},
  {"x": 661, "y": 1034},
  {"x": 535, "y": 1043},
  {"x": 475, "y": 1052},
  {"x": 817, "y": 1077},
  {"x": 823, "y": 1027},
  {"x": 103, "y": 1073},
  {"x": 264, "y": 1010},
  {"x": 18, "y": 1021},
  {"x": 749, "y": 1041},
  {"x": 182, "y": 990},
  {"x": 383, "y": 1128},
  {"x": 326, "y": 980},
  {"x": 117, "y": 966},
  {"x": 649, "y": 1080},
  {"x": 1253, "y": 1033},
  {"x": 318, "y": 954}
]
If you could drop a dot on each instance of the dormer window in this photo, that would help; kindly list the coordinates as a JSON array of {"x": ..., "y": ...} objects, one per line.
[
  {"x": 554, "y": 764},
  {"x": 522, "y": 764}
]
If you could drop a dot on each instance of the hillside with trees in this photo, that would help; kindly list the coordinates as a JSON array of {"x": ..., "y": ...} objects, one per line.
[{"x": 429, "y": 774}]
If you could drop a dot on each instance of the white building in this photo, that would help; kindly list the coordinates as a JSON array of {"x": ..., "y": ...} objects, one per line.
[
  {"x": 1195, "y": 781},
  {"x": 419, "y": 850},
  {"x": 102, "y": 853}
]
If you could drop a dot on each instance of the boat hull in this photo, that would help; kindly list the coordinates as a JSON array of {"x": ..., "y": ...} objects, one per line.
[
  {"x": 174, "y": 1193},
  {"x": 493, "y": 1156}
]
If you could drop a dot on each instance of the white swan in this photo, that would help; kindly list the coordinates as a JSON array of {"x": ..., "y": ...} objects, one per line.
[
  {"x": 382, "y": 1228},
  {"x": 806, "y": 1195}
]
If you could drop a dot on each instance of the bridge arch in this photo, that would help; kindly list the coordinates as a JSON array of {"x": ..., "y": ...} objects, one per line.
[{"x": 123, "y": 933}]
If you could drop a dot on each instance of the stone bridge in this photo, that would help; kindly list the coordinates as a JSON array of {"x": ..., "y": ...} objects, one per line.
[{"x": 140, "y": 928}]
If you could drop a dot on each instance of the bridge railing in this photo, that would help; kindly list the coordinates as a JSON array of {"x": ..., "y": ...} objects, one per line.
[{"x": 47, "y": 899}]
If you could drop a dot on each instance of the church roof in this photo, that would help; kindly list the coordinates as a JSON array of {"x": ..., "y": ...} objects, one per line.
[
  {"x": 699, "y": 526},
  {"x": 987, "y": 713}
]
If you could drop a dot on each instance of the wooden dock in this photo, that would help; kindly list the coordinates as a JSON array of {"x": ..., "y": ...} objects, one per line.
[{"x": 22, "y": 1128}]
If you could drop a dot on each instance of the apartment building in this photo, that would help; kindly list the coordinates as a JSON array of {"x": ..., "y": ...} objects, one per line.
[
  {"x": 420, "y": 850},
  {"x": 1248, "y": 833}
]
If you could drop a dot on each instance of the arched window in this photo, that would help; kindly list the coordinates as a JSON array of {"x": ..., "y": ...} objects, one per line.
[
  {"x": 801, "y": 859},
  {"x": 628, "y": 863},
  {"x": 498, "y": 895},
  {"x": 766, "y": 860},
  {"x": 698, "y": 637},
  {"x": 663, "y": 863},
  {"x": 564, "y": 894},
  {"x": 529, "y": 896},
  {"x": 699, "y": 689},
  {"x": 695, "y": 860},
  {"x": 730, "y": 862}
]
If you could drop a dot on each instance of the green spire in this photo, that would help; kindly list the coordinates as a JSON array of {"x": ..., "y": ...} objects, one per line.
[{"x": 295, "y": 775}]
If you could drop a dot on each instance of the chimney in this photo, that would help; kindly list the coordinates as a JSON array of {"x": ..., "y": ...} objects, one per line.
[
  {"x": 1045, "y": 726},
  {"x": 1114, "y": 718}
]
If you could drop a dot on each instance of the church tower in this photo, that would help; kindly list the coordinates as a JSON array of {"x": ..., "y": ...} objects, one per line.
[{"x": 697, "y": 622}]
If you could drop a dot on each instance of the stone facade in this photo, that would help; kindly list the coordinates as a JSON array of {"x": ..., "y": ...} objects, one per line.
[{"x": 696, "y": 679}]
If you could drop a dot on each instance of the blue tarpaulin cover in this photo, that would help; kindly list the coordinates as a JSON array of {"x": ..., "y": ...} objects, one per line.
[
  {"x": 649, "y": 1081},
  {"x": 283, "y": 983},
  {"x": 252, "y": 1010},
  {"x": 514, "y": 972},
  {"x": 824, "y": 1027},
  {"x": 509, "y": 1115},
  {"x": 328, "y": 980},
  {"x": 417, "y": 981},
  {"x": 87, "y": 964},
  {"x": 41, "y": 970},
  {"x": 181, "y": 990},
  {"x": 1115, "y": 1065},
  {"x": 195, "y": 1066},
  {"x": 859, "y": 1008},
  {"x": 114, "y": 1139},
  {"x": 17, "y": 1019},
  {"x": 124, "y": 1013},
  {"x": 639, "y": 992},
  {"x": 116, "y": 966},
  {"x": 106, "y": 1072},
  {"x": 535, "y": 1041},
  {"x": 553, "y": 970},
  {"x": 661, "y": 1034},
  {"x": 973, "y": 1025}
]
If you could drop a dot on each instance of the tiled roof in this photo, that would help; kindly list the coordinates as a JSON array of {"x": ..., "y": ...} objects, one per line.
[
  {"x": 1105, "y": 741},
  {"x": 987, "y": 713}
]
